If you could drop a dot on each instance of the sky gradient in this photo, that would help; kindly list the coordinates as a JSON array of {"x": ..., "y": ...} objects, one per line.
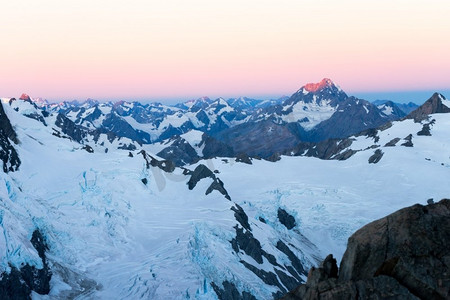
[{"x": 177, "y": 49}]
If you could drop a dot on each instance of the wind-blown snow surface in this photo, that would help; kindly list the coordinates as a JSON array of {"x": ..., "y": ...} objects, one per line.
[{"x": 163, "y": 241}]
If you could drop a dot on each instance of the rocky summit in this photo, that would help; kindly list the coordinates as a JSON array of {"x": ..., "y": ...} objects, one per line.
[{"x": 405, "y": 255}]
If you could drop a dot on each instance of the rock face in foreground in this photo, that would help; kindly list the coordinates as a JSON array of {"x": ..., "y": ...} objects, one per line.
[
  {"x": 18, "y": 283},
  {"x": 405, "y": 255}
]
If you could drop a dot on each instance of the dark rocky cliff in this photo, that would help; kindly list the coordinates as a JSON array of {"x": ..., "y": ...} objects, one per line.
[
  {"x": 431, "y": 106},
  {"x": 8, "y": 153},
  {"x": 18, "y": 283},
  {"x": 405, "y": 255}
]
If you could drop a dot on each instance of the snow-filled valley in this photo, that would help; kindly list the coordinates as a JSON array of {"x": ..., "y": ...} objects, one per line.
[{"x": 121, "y": 224}]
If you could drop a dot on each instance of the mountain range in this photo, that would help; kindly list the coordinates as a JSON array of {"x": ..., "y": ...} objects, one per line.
[
  {"x": 131, "y": 201},
  {"x": 239, "y": 126}
]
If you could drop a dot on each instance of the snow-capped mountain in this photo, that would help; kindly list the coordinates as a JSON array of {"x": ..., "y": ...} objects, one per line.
[
  {"x": 249, "y": 104},
  {"x": 316, "y": 112},
  {"x": 38, "y": 101},
  {"x": 153, "y": 122},
  {"x": 324, "y": 106},
  {"x": 390, "y": 109},
  {"x": 87, "y": 214},
  {"x": 58, "y": 124},
  {"x": 195, "y": 104},
  {"x": 313, "y": 103},
  {"x": 244, "y": 103},
  {"x": 436, "y": 104},
  {"x": 406, "y": 108},
  {"x": 342, "y": 149}
]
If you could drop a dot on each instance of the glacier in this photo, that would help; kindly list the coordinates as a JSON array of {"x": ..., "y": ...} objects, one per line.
[{"x": 111, "y": 234}]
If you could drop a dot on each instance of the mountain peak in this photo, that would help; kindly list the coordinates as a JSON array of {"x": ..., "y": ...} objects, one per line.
[
  {"x": 198, "y": 100},
  {"x": 25, "y": 97},
  {"x": 221, "y": 101},
  {"x": 326, "y": 90},
  {"x": 315, "y": 87},
  {"x": 203, "y": 99},
  {"x": 91, "y": 101},
  {"x": 436, "y": 104},
  {"x": 438, "y": 96}
]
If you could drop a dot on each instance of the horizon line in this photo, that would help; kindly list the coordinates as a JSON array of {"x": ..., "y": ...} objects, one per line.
[{"x": 401, "y": 96}]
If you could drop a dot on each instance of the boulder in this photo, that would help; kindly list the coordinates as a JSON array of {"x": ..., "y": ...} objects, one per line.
[
  {"x": 286, "y": 219},
  {"x": 376, "y": 157}
]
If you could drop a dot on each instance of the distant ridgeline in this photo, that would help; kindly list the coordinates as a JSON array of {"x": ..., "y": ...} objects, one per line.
[{"x": 205, "y": 128}]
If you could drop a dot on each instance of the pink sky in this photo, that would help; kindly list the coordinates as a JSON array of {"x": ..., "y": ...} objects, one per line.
[{"x": 182, "y": 49}]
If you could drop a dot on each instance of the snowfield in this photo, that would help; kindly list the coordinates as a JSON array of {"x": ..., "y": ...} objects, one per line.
[
  {"x": 309, "y": 114},
  {"x": 122, "y": 238}
]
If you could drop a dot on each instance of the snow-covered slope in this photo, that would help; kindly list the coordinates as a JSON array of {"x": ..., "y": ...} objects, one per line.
[
  {"x": 313, "y": 103},
  {"x": 126, "y": 228},
  {"x": 125, "y": 225},
  {"x": 391, "y": 110}
]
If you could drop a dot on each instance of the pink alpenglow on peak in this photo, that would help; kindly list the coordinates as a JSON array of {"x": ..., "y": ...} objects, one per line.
[
  {"x": 38, "y": 101},
  {"x": 314, "y": 87},
  {"x": 24, "y": 97}
]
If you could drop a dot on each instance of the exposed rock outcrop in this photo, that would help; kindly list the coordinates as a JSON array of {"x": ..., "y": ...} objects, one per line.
[
  {"x": 376, "y": 157},
  {"x": 215, "y": 148},
  {"x": 259, "y": 138},
  {"x": 201, "y": 172},
  {"x": 426, "y": 129},
  {"x": 328, "y": 149},
  {"x": 357, "y": 115},
  {"x": 241, "y": 216},
  {"x": 392, "y": 142},
  {"x": 408, "y": 141},
  {"x": 121, "y": 128},
  {"x": 18, "y": 283},
  {"x": 69, "y": 128},
  {"x": 179, "y": 151},
  {"x": 286, "y": 219},
  {"x": 218, "y": 185},
  {"x": 280, "y": 274},
  {"x": 8, "y": 153},
  {"x": 165, "y": 165},
  {"x": 405, "y": 255},
  {"x": 230, "y": 292},
  {"x": 431, "y": 106},
  {"x": 243, "y": 158}
]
